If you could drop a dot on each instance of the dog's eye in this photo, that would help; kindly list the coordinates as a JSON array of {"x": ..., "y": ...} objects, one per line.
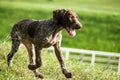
[{"x": 71, "y": 18}]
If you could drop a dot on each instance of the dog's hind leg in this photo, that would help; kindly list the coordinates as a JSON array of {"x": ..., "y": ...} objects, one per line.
[{"x": 14, "y": 48}]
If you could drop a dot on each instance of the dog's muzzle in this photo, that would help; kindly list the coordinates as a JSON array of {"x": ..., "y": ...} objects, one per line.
[
  {"x": 77, "y": 25},
  {"x": 71, "y": 30}
]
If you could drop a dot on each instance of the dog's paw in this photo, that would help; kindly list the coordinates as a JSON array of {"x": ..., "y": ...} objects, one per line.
[
  {"x": 38, "y": 75},
  {"x": 68, "y": 75},
  {"x": 32, "y": 67}
]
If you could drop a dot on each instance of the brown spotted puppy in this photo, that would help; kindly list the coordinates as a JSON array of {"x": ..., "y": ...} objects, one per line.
[{"x": 43, "y": 34}]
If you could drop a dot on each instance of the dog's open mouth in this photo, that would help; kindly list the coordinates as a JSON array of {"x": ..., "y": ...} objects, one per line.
[{"x": 71, "y": 31}]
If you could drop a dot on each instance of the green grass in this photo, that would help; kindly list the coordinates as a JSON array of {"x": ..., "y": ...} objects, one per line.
[
  {"x": 91, "y": 5},
  {"x": 101, "y": 31},
  {"x": 50, "y": 68}
]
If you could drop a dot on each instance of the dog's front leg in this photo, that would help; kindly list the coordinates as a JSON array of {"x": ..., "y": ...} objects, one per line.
[
  {"x": 60, "y": 59},
  {"x": 38, "y": 63}
]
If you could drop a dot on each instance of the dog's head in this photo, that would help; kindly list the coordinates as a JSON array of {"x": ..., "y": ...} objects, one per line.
[{"x": 68, "y": 19}]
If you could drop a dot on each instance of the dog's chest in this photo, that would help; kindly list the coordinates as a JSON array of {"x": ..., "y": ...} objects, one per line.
[{"x": 50, "y": 40}]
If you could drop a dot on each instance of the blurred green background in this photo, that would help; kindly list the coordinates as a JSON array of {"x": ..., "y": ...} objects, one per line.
[{"x": 100, "y": 19}]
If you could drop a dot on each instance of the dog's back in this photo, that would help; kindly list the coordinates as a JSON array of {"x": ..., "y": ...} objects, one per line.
[
  {"x": 24, "y": 28},
  {"x": 29, "y": 27}
]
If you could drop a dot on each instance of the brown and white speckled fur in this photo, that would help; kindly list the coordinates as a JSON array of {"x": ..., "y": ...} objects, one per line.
[{"x": 43, "y": 34}]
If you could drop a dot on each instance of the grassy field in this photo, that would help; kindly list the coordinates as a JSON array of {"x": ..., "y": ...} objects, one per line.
[
  {"x": 81, "y": 71},
  {"x": 101, "y": 31}
]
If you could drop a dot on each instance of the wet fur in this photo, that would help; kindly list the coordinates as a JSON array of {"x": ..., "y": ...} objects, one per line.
[{"x": 42, "y": 34}]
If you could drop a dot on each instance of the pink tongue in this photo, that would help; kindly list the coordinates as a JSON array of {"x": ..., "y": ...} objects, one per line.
[{"x": 72, "y": 33}]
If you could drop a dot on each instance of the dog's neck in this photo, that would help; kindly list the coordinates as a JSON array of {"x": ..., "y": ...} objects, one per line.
[{"x": 56, "y": 28}]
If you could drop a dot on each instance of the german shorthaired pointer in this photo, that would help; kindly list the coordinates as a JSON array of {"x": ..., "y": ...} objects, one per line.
[{"x": 43, "y": 34}]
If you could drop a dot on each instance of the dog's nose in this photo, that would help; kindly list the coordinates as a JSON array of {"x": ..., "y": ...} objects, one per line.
[{"x": 78, "y": 24}]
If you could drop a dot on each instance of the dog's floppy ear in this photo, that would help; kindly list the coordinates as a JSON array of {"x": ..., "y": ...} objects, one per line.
[{"x": 58, "y": 16}]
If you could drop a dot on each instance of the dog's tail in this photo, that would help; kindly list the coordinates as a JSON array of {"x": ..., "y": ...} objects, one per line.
[{"x": 7, "y": 37}]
